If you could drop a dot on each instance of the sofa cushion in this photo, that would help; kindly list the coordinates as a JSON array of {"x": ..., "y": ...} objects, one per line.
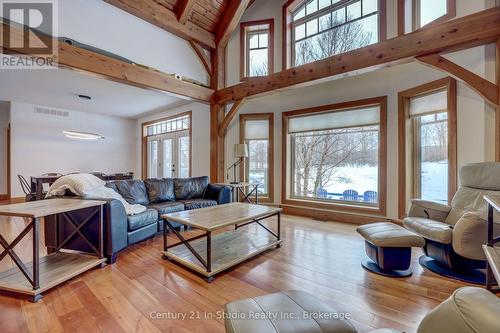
[
  {"x": 138, "y": 221},
  {"x": 198, "y": 203},
  {"x": 430, "y": 229},
  {"x": 134, "y": 191},
  {"x": 190, "y": 188},
  {"x": 167, "y": 207},
  {"x": 160, "y": 190}
]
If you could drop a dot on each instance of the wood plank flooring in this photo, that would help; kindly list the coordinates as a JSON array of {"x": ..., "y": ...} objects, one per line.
[{"x": 143, "y": 293}]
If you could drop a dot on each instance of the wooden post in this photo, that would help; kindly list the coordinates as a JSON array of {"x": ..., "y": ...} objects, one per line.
[
  {"x": 217, "y": 112},
  {"x": 497, "y": 113}
]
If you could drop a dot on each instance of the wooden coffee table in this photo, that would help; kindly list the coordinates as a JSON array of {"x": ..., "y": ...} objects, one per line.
[{"x": 209, "y": 254}]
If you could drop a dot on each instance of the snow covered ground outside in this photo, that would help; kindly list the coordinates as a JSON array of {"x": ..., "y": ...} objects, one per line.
[{"x": 365, "y": 178}]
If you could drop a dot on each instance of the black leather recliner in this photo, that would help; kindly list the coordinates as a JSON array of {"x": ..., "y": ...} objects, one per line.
[{"x": 160, "y": 196}]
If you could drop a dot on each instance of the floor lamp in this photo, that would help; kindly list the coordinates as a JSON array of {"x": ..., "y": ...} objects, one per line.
[{"x": 240, "y": 152}]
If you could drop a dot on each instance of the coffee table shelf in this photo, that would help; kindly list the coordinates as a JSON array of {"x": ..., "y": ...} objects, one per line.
[
  {"x": 228, "y": 249},
  {"x": 218, "y": 249},
  {"x": 55, "y": 269}
]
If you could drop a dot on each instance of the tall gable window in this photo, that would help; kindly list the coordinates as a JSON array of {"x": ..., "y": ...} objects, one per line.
[
  {"x": 416, "y": 14},
  {"x": 323, "y": 28},
  {"x": 257, "y": 48}
]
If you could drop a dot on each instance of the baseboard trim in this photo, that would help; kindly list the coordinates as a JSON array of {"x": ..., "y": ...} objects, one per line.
[
  {"x": 4, "y": 197},
  {"x": 334, "y": 216}
]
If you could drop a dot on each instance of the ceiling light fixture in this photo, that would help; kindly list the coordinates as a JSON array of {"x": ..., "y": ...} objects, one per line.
[
  {"x": 83, "y": 135},
  {"x": 88, "y": 98}
]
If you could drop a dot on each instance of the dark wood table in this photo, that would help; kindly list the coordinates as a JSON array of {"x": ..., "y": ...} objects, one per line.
[
  {"x": 37, "y": 182},
  {"x": 491, "y": 249}
]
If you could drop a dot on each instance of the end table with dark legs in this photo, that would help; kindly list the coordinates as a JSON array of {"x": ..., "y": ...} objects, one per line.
[
  {"x": 491, "y": 249},
  {"x": 240, "y": 188}
]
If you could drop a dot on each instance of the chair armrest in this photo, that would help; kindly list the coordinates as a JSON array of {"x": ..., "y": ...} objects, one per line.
[
  {"x": 115, "y": 226},
  {"x": 469, "y": 234},
  {"x": 428, "y": 209},
  {"x": 219, "y": 193}
]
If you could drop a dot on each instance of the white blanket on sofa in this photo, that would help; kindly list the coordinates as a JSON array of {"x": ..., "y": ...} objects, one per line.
[{"x": 89, "y": 186}]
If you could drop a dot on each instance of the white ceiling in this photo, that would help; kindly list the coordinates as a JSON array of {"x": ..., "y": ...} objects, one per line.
[{"x": 58, "y": 88}]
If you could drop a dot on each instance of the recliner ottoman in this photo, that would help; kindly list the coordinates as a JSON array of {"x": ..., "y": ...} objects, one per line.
[{"x": 388, "y": 247}]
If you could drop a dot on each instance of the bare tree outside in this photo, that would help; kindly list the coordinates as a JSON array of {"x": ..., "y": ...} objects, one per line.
[
  {"x": 341, "y": 39},
  {"x": 318, "y": 156}
]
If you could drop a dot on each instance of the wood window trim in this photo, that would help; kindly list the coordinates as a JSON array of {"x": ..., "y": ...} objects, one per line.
[
  {"x": 451, "y": 12},
  {"x": 404, "y": 97},
  {"x": 381, "y": 210},
  {"x": 292, "y": 5},
  {"x": 144, "y": 143},
  {"x": 270, "y": 117},
  {"x": 243, "y": 44}
]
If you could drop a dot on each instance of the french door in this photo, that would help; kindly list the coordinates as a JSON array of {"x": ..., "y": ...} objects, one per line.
[{"x": 169, "y": 155}]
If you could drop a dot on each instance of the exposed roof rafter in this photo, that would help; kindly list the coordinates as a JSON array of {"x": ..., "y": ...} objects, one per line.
[
  {"x": 230, "y": 20},
  {"x": 160, "y": 16},
  {"x": 184, "y": 9}
]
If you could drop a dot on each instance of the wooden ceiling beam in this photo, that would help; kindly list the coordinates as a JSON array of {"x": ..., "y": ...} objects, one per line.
[
  {"x": 203, "y": 56},
  {"x": 75, "y": 58},
  {"x": 229, "y": 117},
  {"x": 184, "y": 10},
  {"x": 160, "y": 16},
  {"x": 483, "y": 87},
  {"x": 230, "y": 20},
  {"x": 465, "y": 32}
]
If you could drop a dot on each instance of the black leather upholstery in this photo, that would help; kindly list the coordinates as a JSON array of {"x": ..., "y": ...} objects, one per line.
[
  {"x": 134, "y": 191},
  {"x": 198, "y": 203},
  {"x": 121, "y": 230},
  {"x": 168, "y": 207},
  {"x": 219, "y": 193},
  {"x": 190, "y": 188},
  {"x": 160, "y": 190},
  {"x": 146, "y": 218}
]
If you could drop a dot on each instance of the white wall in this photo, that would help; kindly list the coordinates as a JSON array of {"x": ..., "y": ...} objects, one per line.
[
  {"x": 102, "y": 25},
  {"x": 4, "y": 122},
  {"x": 200, "y": 132},
  {"x": 39, "y": 146},
  {"x": 475, "y": 116}
]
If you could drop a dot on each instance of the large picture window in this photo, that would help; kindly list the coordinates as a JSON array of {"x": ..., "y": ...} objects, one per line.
[
  {"x": 324, "y": 28},
  {"x": 427, "y": 125},
  {"x": 336, "y": 155},
  {"x": 256, "y": 130}
]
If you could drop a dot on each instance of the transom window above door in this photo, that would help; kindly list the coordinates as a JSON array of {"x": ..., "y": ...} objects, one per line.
[
  {"x": 323, "y": 28},
  {"x": 167, "y": 147}
]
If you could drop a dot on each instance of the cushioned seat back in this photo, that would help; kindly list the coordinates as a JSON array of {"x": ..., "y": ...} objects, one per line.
[
  {"x": 160, "y": 190},
  {"x": 190, "y": 188},
  {"x": 468, "y": 310},
  {"x": 476, "y": 180},
  {"x": 133, "y": 191}
]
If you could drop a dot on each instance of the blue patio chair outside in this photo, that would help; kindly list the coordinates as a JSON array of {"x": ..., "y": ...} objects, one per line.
[
  {"x": 370, "y": 196},
  {"x": 350, "y": 195},
  {"x": 321, "y": 193}
]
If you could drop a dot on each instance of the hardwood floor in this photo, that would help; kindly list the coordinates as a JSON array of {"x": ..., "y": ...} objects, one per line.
[{"x": 143, "y": 293}]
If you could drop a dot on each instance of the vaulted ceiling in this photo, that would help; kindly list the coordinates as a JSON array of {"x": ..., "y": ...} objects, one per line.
[
  {"x": 207, "y": 22},
  {"x": 204, "y": 13}
]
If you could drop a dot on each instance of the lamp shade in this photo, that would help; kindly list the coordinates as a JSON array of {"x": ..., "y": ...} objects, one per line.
[{"x": 240, "y": 150}]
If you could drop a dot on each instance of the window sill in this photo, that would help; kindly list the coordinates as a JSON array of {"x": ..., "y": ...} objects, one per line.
[{"x": 336, "y": 206}]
